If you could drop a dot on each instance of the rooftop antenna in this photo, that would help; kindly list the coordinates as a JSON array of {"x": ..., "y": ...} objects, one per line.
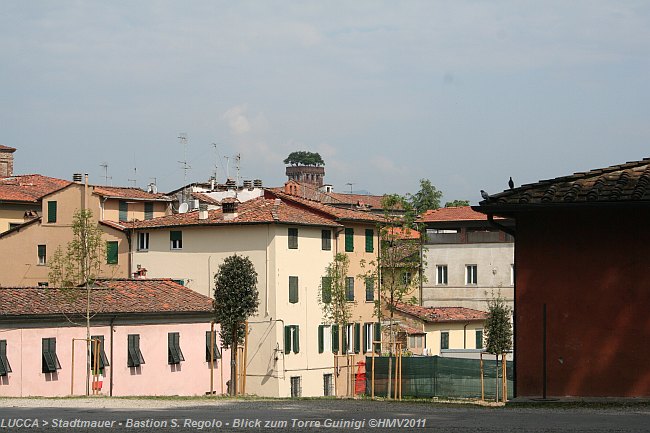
[
  {"x": 183, "y": 140},
  {"x": 238, "y": 159},
  {"x": 350, "y": 185},
  {"x": 104, "y": 165},
  {"x": 227, "y": 158},
  {"x": 216, "y": 162},
  {"x": 135, "y": 173}
]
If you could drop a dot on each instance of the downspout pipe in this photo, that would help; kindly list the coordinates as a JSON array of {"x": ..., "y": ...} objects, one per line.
[{"x": 112, "y": 329}]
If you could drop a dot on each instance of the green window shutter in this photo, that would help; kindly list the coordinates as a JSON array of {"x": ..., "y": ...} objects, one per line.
[
  {"x": 148, "y": 211},
  {"x": 296, "y": 339},
  {"x": 349, "y": 240},
  {"x": 479, "y": 339},
  {"x": 335, "y": 338},
  {"x": 287, "y": 339},
  {"x": 50, "y": 360},
  {"x": 111, "y": 252},
  {"x": 370, "y": 235},
  {"x": 293, "y": 289},
  {"x": 444, "y": 340},
  {"x": 51, "y": 211},
  {"x": 344, "y": 339},
  {"x": 370, "y": 289},
  {"x": 124, "y": 211},
  {"x": 357, "y": 337},
  {"x": 377, "y": 329},
  {"x": 326, "y": 285},
  {"x": 215, "y": 349},
  {"x": 135, "y": 358},
  {"x": 4, "y": 362},
  {"x": 321, "y": 338},
  {"x": 326, "y": 240},
  {"x": 293, "y": 238},
  {"x": 365, "y": 337},
  {"x": 175, "y": 235}
]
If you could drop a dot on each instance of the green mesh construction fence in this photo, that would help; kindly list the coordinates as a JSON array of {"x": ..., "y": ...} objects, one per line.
[{"x": 433, "y": 376}]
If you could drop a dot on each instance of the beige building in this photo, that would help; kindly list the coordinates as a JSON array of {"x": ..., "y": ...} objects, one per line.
[
  {"x": 27, "y": 248},
  {"x": 467, "y": 259}
]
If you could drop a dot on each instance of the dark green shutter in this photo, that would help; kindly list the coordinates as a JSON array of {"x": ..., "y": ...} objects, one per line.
[
  {"x": 344, "y": 339},
  {"x": 349, "y": 240},
  {"x": 124, "y": 211},
  {"x": 41, "y": 253},
  {"x": 444, "y": 340},
  {"x": 148, "y": 211},
  {"x": 479, "y": 339},
  {"x": 293, "y": 289},
  {"x": 287, "y": 339},
  {"x": 357, "y": 337},
  {"x": 365, "y": 337},
  {"x": 51, "y": 211},
  {"x": 377, "y": 329},
  {"x": 335, "y": 338},
  {"x": 321, "y": 338},
  {"x": 370, "y": 234},
  {"x": 175, "y": 236},
  {"x": 326, "y": 285},
  {"x": 326, "y": 240},
  {"x": 296, "y": 339},
  {"x": 293, "y": 238},
  {"x": 4, "y": 362},
  {"x": 215, "y": 349},
  {"x": 111, "y": 252}
]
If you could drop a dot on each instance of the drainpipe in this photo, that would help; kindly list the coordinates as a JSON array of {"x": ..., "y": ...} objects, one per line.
[
  {"x": 465, "y": 335},
  {"x": 110, "y": 390}
]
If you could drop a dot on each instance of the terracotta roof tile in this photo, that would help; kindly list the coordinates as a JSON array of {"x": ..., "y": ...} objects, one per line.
[
  {"x": 410, "y": 330},
  {"x": 459, "y": 213},
  {"x": 108, "y": 297},
  {"x": 29, "y": 188},
  {"x": 629, "y": 182},
  {"x": 441, "y": 314},
  {"x": 256, "y": 211},
  {"x": 7, "y": 148},
  {"x": 310, "y": 192},
  {"x": 129, "y": 193},
  {"x": 404, "y": 233}
]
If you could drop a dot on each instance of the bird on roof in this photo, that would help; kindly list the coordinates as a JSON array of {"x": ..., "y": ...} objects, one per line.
[
  {"x": 511, "y": 184},
  {"x": 485, "y": 195}
]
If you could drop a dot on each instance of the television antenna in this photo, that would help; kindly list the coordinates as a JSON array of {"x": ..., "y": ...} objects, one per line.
[
  {"x": 350, "y": 185},
  {"x": 135, "y": 173},
  {"x": 182, "y": 137},
  {"x": 104, "y": 165}
]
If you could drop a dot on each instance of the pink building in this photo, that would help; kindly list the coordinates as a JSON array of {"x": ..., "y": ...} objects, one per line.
[{"x": 154, "y": 334}]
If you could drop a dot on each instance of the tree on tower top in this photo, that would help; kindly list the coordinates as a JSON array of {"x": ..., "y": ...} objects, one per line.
[{"x": 302, "y": 157}]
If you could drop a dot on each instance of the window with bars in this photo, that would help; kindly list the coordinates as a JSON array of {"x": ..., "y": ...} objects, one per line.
[
  {"x": 370, "y": 289},
  {"x": 444, "y": 340},
  {"x": 370, "y": 236},
  {"x": 326, "y": 240},
  {"x": 211, "y": 345},
  {"x": 50, "y": 361},
  {"x": 176, "y": 240},
  {"x": 328, "y": 385},
  {"x": 349, "y": 288},
  {"x": 98, "y": 359},
  {"x": 293, "y": 289},
  {"x": 135, "y": 358},
  {"x": 441, "y": 274},
  {"x": 5, "y": 368},
  {"x": 326, "y": 289},
  {"x": 174, "y": 352},
  {"x": 148, "y": 211},
  {"x": 296, "y": 387},
  {"x": 292, "y": 238},
  {"x": 111, "y": 252},
  {"x": 349, "y": 240},
  {"x": 291, "y": 339},
  {"x": 42, "y": 254},
  {"x": 143, "y": 241}
]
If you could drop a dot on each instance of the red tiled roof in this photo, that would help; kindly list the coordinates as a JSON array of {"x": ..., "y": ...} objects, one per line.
[
  {"x": 7, "y": 148},
  {"x": 372, "y": 201},
  {"x": 310, "y": 192},
  {"x": 113, "y": 224},
  {"x": 403, "y": 233},
  {"x": 409, "y": 330},
  {"x": 441, "y": 314},
  {"x": 333, "y": 212},
  {"x": 459, "y": 213},
  {"x": 256, "y": 211},
  {"x": 109, "y": 297},
  {"x": 204, "y": 198},
  {"x": 129, "y": 193},
  {"x": 29, "y": 187}
]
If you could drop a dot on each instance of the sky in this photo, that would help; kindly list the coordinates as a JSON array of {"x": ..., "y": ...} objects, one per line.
[{"x": 463, "y": 93}]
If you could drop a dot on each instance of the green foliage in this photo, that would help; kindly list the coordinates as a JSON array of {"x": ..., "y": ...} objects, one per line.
[
  {"x": 338, "y": 311},
  {"x": 81, "y": 261},
  {"x": 428, "y": 197},
  {"x": 302, "y": 157},
  {"x": 457, "y": 203},
  {"x": 235, "y": 297},
  {"x": 498, "y": 331}
]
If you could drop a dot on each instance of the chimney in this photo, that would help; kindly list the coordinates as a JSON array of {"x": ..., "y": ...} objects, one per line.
[
  {"x": 140, "y": 274},
  {"x": 229, "y": 208},
  {"x": 248, "y": 184},
  {"x": 257, "y": 183},
  {"x": 6, "y": 161},
  {"x": 203, "y": 212},
  {"x": 77, "y": 177}
]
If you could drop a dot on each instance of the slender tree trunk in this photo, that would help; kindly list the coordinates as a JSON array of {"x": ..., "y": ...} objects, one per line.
[{"x": 233, "y": 361}]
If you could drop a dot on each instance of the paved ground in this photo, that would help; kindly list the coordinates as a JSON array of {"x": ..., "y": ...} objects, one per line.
[{"x": 160, "y": 416}]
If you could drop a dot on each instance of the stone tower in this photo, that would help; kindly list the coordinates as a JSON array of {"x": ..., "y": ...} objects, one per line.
[
  {"x": 6, "y": 161},
  {"x": 306, "y": 174}
]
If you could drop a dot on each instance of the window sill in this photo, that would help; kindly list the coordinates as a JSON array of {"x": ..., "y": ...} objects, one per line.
[{"x": 143, "y": 251}]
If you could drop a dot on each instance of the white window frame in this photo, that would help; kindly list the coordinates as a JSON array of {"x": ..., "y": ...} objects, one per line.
[
  {"x": 349, "y": 332},
  {"x": 369, "y": 329},
  {"x": 176, "y": 244},
  {"x": 471, "y": 271},
  {"x": 445, "y": 271},
  {"x": 143, "y": 236},
  {"x": 327, "y": 338}
]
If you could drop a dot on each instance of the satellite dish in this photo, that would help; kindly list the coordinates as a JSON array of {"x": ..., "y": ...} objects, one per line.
[{"x": 183, "y": 208}]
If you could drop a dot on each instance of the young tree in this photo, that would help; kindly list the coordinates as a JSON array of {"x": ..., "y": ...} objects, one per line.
[
  {"x": 428, "y": 197},
  {"x": 80, "y": 264},
  {"x": 302, "y": 157},
  {"x": 457, "y": 203},
  {"x": 498, "y": 332},
  {"x": 235, "y": 300}
]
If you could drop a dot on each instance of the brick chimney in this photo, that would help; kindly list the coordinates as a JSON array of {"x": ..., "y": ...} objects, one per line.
[{"x": 6, "y": 161}]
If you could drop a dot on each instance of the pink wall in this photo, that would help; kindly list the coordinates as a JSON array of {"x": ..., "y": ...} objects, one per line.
[{"x": 155, "y": 377}]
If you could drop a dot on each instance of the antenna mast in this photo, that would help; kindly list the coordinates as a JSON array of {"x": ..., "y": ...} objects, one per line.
[
  {"x": 216, "y": 162},
  {"x": 238, "y": 159},
  {"x": 135, "y": 173},
  {"x": 104, "y": 165},
  {"x": 183, "y": 140}
]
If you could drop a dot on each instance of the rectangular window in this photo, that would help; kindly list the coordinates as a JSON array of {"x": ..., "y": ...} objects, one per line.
[
  {"x": 377, "y": 330},
  {"x": 328, "y": 385},
  {"x": 471, "y": 274},
  {"x": 349, "y": 288},
  {"x": 441, "y": 274},
  {"x": 293, "y": 290},
  {"x": 98, "y": 359},
  {"x": 111, "y": 252},
  {"x": 406, "y": 278},
  {"x": 43, "y": 284},
  {"x": 148, "y": 211},
  {"x": 5, "y": 368},
  {"x": 135, "y": 358},
  {"x": 368, "y": 335},
  {"x": 51, "y": 211},
  {"x": 174, "y": 353},
  {"x": 415, "y": 342},
  {"x": 370, "y": 236},
  {"x": 143, "y": 241},
  {"x": 293, "y": 239},
  {"x": 124, "y": 211},
  {"x": 370, "y": 289},
  {"x": 335, "y": 338},
  {"x": 326, "y": 240},
  {"x": 176, "y": 240},
  {"x": 50, "y": 361},
  {"x": 324, "y": 338},
  {"x": 326, "y": 289},
  {"x": 350, "y": 340},
  {"x": 211, "y": 346},
  {"x": 479, "y": 339},
  {"x": 349, "y": 240},
  {"x": 42, "y": 253},
  {"x": 296, "y": 388},
  {"x": 444, "y": 340},
  {"x": 291, "y": 339}
]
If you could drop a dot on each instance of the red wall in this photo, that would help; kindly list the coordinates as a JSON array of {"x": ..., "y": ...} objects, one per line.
[{"x": 592, "y": 269}]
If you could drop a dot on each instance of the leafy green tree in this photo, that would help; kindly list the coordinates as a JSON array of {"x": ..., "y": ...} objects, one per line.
[
  {"x": 457, "y": 203},
  {"x": 498, "y": 331},
  {"x": 337, "y": 310},
  {"x": 235, "y": 299},
  {"x": 304, "y": 158},
  {"x": 428, "y": 197}
]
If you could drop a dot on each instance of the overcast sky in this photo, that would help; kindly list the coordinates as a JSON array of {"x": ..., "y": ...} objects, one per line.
[{"x": 464, "y": 93}]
